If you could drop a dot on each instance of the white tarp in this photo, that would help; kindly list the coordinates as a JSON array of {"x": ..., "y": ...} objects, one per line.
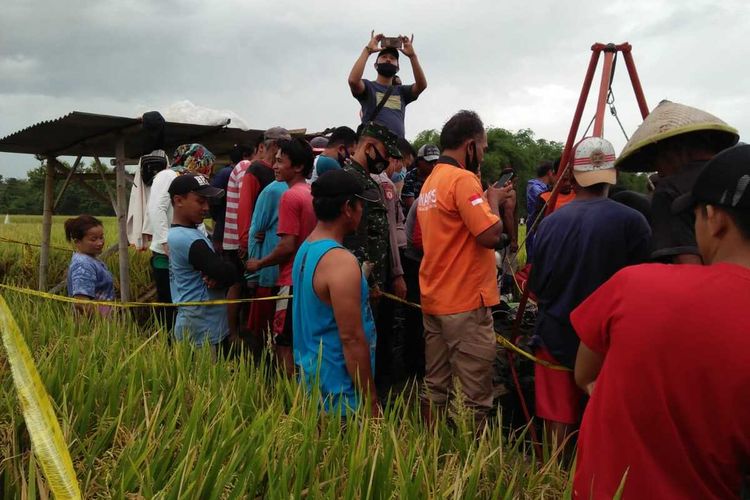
[{"x": 187, "y": 112}]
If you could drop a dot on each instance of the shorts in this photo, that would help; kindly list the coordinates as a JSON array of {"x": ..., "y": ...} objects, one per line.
[
  {"x": 282, "y": 319},
  {"x": 233, "y": 257},
  {"x": 557, "y": 396},
  {"x": 261, "y": 314}
]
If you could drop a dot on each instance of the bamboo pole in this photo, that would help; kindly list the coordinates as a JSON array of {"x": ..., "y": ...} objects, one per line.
[
  {"x": 122, "y": 214},
  {"x": 49, "y": 194}
]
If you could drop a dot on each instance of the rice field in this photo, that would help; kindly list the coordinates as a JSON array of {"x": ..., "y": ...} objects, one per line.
[{"x": 146, "y": 419}]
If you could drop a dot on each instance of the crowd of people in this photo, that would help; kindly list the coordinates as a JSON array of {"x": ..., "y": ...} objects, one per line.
[{"x": 639, "y": 296}]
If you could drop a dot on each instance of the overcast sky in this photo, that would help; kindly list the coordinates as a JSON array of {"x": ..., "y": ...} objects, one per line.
[{"x": 518, "y": 64}]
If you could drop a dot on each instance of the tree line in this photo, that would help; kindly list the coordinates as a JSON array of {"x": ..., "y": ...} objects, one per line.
[
  {"x": 26, "y": 196},
  {"x": 520, "y": 150}
]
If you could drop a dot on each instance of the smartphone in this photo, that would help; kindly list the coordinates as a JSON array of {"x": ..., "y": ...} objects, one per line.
[
  {"x": 504, "y": 179},
  {"x": 391, "y": 42}
]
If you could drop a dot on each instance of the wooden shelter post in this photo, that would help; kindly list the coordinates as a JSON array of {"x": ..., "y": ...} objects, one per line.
[
  {"x": 49, "y": 194},
  {"x": 122, "y": 217}
]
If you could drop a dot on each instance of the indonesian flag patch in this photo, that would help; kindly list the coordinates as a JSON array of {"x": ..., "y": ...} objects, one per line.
[{"x": 476, "y": 199}]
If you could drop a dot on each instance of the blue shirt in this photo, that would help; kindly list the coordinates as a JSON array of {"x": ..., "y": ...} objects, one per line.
[
  {"x": 393, "y": 112},
  {"x": 266, "y": 220},
  {"x": 89, "y": 277},
  {"x": 325, "y": 163},
  {"x": 198, "y": 324},
  {"x": 316, "y": 335},
  {"x": 578, "y": 248},
  {"x": 534, "y": 203}
]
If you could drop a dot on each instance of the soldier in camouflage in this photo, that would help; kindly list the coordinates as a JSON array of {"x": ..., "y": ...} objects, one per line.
[{"x": 370, "y": 243}]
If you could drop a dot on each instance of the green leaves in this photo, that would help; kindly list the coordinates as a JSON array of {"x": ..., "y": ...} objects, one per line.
[{"x": 144, "y": 419}]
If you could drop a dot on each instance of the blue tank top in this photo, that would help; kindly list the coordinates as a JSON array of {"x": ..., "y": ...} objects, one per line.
[{"x": 316, "y": 335}]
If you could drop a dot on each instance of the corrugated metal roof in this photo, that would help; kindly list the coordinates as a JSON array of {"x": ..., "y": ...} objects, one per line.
[{"x": 88, "y": 134}]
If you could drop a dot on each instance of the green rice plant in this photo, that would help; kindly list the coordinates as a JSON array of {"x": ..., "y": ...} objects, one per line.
[
  {"x": 146, "y": 419},
  {"x": 19, "y": 264}
]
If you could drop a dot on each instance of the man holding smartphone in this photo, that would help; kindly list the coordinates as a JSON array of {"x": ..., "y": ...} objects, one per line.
[{"x": 382, "y": 101}]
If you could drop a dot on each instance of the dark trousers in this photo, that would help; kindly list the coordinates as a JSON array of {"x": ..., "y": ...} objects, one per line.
[
  {"x": 413, "y": 327},
  {"x": 166, "y": 315},
  {"x": 385, "y": 369}
]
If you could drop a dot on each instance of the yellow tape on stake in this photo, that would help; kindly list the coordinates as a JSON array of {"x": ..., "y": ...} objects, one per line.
[{"x": 47, "y": 438}]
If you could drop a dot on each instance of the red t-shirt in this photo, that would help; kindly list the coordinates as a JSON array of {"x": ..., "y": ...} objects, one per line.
[
  {"x": 296, "y": 217},
  {"x": 670, "y": 405}
]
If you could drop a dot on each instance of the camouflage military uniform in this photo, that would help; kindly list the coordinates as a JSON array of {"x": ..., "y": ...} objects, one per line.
[{"x": 370, "y": 243}]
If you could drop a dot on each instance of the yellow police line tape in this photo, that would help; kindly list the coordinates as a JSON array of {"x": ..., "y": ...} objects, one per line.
[
  {"x": 500, "y": 339},
  {"x": 130, "y": 305},
  {"x": 46, "y": 436}
]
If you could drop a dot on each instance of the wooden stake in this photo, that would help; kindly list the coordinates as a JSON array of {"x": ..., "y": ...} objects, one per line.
[
  {"x": 49, "y": 193},
  {"x": 122, "y": 217}
]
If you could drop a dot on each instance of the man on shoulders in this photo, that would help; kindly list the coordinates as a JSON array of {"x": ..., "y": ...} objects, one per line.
[
  {"x": 461, "y": 227},
  {"x": 371, "y": 93},
  {"x": 664, "y": 355}
]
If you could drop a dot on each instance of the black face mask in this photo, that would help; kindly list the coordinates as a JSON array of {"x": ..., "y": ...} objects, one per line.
[
  {"x": 343, "y": 157},
  {"x": 378, "y": 164},
  {"x": 386, "y": 69},
  {"x": 472, "y": 164}
]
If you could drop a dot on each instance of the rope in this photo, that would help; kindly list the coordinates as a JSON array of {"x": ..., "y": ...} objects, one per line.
[
  {"x": 26, "y": 243},
  {"x": 129, "y": 305}
]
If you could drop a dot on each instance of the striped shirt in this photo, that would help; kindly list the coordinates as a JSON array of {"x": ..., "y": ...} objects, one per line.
[{"x": 231, "y": 234}]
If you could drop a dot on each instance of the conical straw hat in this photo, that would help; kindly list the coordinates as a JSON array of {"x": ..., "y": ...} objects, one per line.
[{"x": 670, "y": 119}]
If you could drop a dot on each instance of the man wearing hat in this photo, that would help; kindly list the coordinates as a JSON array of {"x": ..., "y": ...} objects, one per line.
[
  {"x": 676, "y": 141},
  {"x": 196, "y": 272},
  {"x": 394, "y": 98},
  {"x": 334, "y": 330},
  {"x": 577, "y": 248},
  {"x": 187, "y": 158},
  {"x": 370, "y": 242},
  {"x": 664, "y": 355},
  {"x": 427, "y": 157}
]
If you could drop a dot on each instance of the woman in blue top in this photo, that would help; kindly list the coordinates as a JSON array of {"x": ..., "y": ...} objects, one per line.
[
  {"x": 334, "y": 332},
  {"x": 88, "y": 277}
]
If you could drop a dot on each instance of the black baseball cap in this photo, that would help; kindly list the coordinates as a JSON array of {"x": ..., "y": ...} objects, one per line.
[
  {"x": 389, "y": 50},
  {"x": 195, "y": 183},
  {"x": 338, "y": 182},
  {"x": 724, "y": 182}
]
